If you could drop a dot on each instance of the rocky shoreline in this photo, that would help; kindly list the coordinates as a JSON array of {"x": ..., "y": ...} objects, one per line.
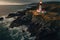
[{"x": 41, "y": 27}]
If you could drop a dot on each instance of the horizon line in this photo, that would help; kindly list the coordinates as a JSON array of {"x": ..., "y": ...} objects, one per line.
[{"x": 9, "y": 3}]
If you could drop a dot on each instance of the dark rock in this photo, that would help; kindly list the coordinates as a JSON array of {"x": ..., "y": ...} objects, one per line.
[
  {"x": 12, "y": 15},
  {"x": 56, "y": 10},
  {"x": 42, "y": 29},
  {"x": 1, "y": 18},
  {"x": 25, "y": 20},
  {"x": 48, "y": 33},
  {"x": 18, "y": 13}
]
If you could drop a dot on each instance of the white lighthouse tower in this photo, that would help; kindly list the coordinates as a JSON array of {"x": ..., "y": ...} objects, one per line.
[
  {"x": 40, "y": 7},
  {"x": 40, "y": 10}
]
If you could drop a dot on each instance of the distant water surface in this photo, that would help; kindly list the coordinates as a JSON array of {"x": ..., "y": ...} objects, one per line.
[{"x": 6, "y": 9}]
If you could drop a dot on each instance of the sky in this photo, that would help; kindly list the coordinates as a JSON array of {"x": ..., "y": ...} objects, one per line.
[
  {"x": 26, "y": 0},
  {"x": 13, "y": 2}
]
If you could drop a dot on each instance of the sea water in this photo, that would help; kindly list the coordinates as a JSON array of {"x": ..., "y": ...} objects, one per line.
[
  {"x": 6, "y": 9},
  {"x": 15, "y": 33}
]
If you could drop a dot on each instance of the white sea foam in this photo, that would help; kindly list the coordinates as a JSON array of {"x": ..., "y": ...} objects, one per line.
[{"x": 16, "y": 32}]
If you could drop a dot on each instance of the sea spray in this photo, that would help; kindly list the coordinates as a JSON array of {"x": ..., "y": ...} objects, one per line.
[{"x": 15, "y": 33}]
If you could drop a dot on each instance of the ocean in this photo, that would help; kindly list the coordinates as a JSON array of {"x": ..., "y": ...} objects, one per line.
[
  {"x": 6, "y": 9},
  {"x": 7, "y": 33}
]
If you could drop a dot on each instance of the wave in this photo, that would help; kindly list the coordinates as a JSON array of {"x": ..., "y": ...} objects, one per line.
[{"x": 15, "y": 33}]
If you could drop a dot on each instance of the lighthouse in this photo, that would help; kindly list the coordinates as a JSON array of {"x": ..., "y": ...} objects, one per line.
[
  {"x": 40, "y": 7},
  {"x": 40, "y": 11}
]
